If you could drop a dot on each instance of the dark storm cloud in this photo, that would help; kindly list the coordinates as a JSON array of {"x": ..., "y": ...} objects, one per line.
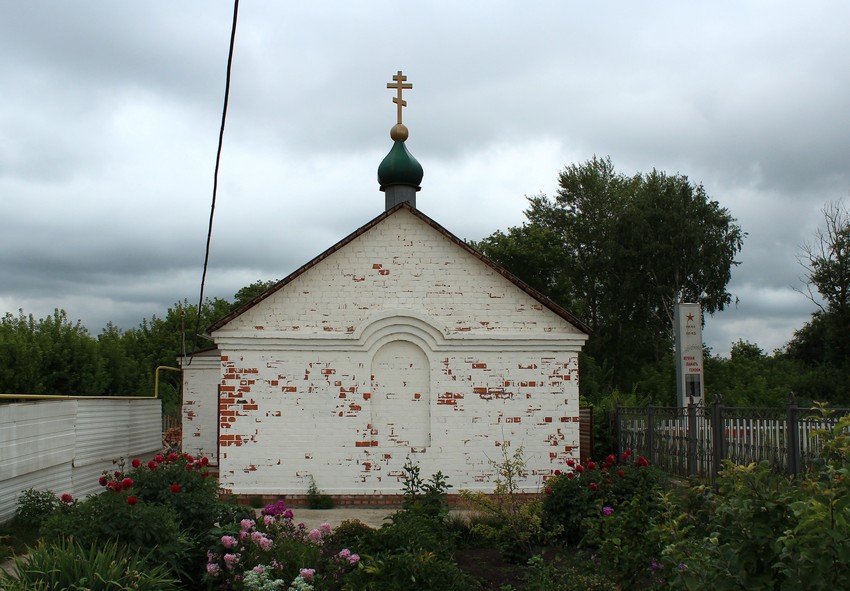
[{"x": 110, "y": 112}]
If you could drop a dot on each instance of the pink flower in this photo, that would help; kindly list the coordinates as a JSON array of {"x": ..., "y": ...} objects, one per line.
[
  {"x": 228, "y": 542},
  {"x": 307, "y": 573},
  {"x": 354, "y": 559},
  {"x": 247, "y": 524},
  {"x": 213, "y": 569},
  {"x": 325, "y": 528},
  {"x": 607, "y": 511},
  {"x": 315, "y": 535},
  {"x": 175, "y": 488},
  {"x": 136, "y": 463},
  {"x": 344, "y": 553},
  {"x": 131, "y": 500},
  {"x": 127, "y": 483},
  {"x": 230, "y": 560},
  {"x": 66, "y": 498},
  {"x": 264, "y": 543},
  {"x": 268, "y": 519}
]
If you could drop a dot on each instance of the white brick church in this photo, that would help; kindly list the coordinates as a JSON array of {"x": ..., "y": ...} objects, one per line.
[{"x": 399, "y": 342}]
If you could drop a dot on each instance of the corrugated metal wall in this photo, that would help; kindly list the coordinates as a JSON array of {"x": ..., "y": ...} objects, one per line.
[{"x": 64, "y": 445}]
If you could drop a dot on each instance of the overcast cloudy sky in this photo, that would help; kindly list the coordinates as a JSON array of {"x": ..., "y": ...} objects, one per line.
[{"x": 109, "y": 116}]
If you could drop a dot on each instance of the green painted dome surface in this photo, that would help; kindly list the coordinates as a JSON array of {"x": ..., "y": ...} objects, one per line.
[{"x": 399, "y": 167}]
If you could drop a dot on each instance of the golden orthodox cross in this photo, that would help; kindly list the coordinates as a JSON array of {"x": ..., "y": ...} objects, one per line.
[{"x": 399, "y": 85}]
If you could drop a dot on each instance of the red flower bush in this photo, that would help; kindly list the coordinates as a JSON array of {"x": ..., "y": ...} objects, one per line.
[
  {"x": 175, "y": 488},
  {"x": 131, "y": 500},
  {"x": 136, "y": 463},
  {"x": 127, "y": 483},
  {"x": 67, "y": 499}
]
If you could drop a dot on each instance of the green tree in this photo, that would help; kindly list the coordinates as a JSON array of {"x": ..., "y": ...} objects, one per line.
[
  {"x": 620, "y": 252},
  {"x": 51, "y": 355},
  {"x": 249, "y": 292},
  {"x": 823, "y": 344}
]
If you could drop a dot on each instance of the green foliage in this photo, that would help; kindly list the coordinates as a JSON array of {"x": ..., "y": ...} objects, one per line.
[
  {"x": 49, "y": 356},
  {"x": 281, "y": 554},
  {"x": 582, "y": 492},
  {"x": 414, "y": 570},
  {"x": 249, "y": 292},
  {"x": 815, "y": 554},
  {"x": 74, "y": 566},
  {"x": 181, "y": 482},
  {"x": 517, "y": 524},
  {"x": 351, "y": 533},
  {"x": 427, "y": 497},
  {"x": 626, "y": 540},
  {"x": 100, "y": 519},
  {"x": 315, "y": 498},
  {"x": 35, "y": 506},
  {"x": 579, "y": 574},
  {"x": 582, "y": 246}
]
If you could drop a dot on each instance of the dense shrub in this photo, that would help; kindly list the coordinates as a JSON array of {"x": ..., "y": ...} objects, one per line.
[
  {"x": 68, "y": 564},
  {"x": 411, "y": 570},
  {"x": 274, "y": 553},
  {"x": 35, "y": 506},
  {"x": 586, "y": 488},
  {"x": 152, "y": 530},
  {"x": 515, "y": 523}
]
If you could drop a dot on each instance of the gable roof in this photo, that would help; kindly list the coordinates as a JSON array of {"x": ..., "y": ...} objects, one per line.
[{"x": 545, "y": 301}]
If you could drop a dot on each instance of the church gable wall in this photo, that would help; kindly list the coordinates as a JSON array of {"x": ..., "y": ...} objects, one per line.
[{"x": 400, "y": 263}]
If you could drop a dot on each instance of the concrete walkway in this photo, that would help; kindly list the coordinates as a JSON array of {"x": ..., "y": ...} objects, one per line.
[{"x": 313, "y": 518}]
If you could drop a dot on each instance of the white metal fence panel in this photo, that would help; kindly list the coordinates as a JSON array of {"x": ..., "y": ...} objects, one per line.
[{"x": 64, "y": 445}]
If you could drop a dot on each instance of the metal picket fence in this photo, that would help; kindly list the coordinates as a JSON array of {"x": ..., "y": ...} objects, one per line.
[{"x": 693, "y": 441}]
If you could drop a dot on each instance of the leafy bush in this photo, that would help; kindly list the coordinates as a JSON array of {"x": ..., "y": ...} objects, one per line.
[
  {"x": 586, "y": 488},
  {"x": 68, "y": 564},
  {"x": 179, "y": 481},
  {"x": 815, "y": 553},
  {"x": 428, "y": 497},
  {"x": 34, "y": 506},
  {"x": 315, "y": 499},
  {"x": 109, "y": 518},
  {"x": 274, "y": 553},
  {"x": 413, "y": 570},
  {"x": 627, "y": 543},
  {"x": 579, "y": 575},
  {"x": 351, "y": 533},
  {"x": 517, "y": 525}
]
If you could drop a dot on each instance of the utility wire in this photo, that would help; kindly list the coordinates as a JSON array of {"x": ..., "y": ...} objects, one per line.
[{"x": 218, "y": 161}]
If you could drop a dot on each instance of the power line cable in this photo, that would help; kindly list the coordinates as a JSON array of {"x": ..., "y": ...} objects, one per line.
[{"x": 218, "y": 161}]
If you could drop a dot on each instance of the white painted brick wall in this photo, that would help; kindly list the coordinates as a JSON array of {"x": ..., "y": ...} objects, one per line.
[
  {"x": 296, "y": 371},
  {"x": 201, "y": 376}
]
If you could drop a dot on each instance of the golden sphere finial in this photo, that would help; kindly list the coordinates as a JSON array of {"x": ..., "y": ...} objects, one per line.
[{"x": 399, "y": 132}]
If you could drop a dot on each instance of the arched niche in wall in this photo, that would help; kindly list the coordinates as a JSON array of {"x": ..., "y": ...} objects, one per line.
[{"x": 401, "y": 394}]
